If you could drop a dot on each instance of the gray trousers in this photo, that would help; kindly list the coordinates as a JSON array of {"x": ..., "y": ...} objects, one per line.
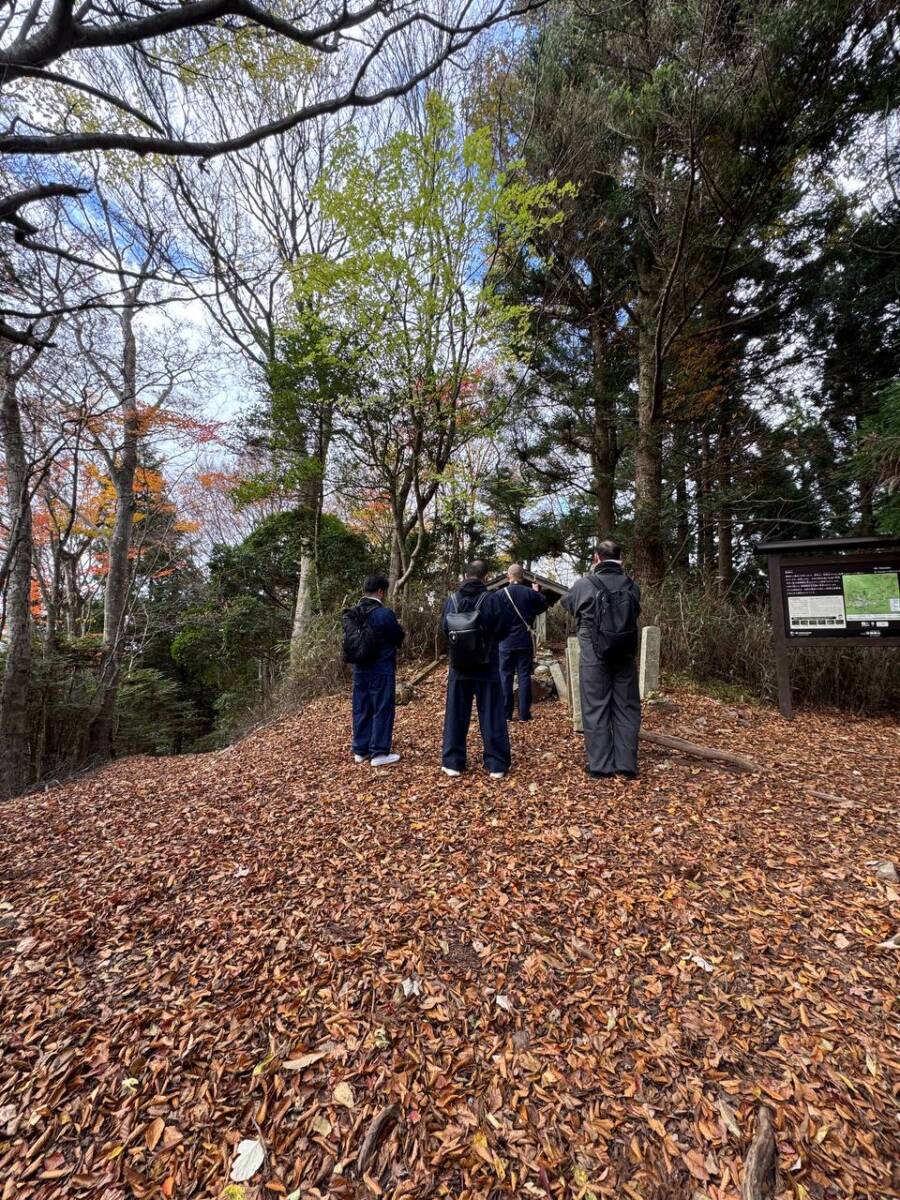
[{"x": 610, "y": 712}]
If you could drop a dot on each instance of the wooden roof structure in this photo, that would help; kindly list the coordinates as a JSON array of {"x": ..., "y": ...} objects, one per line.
[
  {"x": 818, "y": 545},
  {"x": 554, "y": 590}
]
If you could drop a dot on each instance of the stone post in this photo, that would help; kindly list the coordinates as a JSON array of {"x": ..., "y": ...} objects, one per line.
[
  {"x": 573, "y": 663},
  {"x": 540, "y": 628},
  {"x": 648, "y": 669},
  {"x": 562, "y": 686}
]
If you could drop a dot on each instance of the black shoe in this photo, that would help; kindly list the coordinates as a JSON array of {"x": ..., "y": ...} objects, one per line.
[
  {"x": 528, "y": 718},
  {"x": 627, "y": 774},
  {"x": 599, "y": 774}
]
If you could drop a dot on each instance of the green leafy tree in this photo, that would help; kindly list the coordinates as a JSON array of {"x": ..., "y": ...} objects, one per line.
[
  {"x": 412, "y": 307},
  {"x": 231, "y": 642},
  {"x": 296, "y": 429}
]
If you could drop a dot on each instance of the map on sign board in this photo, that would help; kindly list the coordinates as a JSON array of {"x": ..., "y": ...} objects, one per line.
[
  {"x": 872, "y": 597},
  {"x": 841, "y": 599}
]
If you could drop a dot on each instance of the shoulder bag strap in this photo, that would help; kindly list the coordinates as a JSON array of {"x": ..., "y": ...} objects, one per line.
[{"x": 516, "y": 607}]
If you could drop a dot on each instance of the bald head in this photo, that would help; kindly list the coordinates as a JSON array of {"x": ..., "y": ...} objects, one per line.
[{"x": 515, "y": 573}]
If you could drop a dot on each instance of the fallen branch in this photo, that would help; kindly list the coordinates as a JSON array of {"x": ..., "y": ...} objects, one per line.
[
  {"x": 826, "y": 796},
  {"x": 708, "y": 752},
  {"x": 378, "y": 1131},
  {"x": 424, "y": 672},
  {"x": 759, "y": 1173}
]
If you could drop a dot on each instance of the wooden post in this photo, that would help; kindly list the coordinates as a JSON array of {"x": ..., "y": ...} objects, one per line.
[
  {"x": 782, "y": 653},
  {"x": 648, "y": 675},
  {"x": 573, "y": 660}
]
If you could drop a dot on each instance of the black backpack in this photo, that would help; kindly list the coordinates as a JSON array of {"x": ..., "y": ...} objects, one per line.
[
  {"x": 615, "y": 625},
  {"x": 467, "y": 643},
  {"x": 361, "y": 642}
]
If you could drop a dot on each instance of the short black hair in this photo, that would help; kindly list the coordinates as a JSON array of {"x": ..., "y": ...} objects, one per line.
[
  {"x": 477, "y": 569},
  {"x": 376, "y": 583},
  {"x": 608, "y": 549}
]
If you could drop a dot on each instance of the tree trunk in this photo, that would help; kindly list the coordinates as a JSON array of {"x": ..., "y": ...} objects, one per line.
[
  {"x": 14, "y": 774},
  {"x": 604, "y": 449},
  {"x": 395, "y": 570},
  {"x": 866, "y": 525},
  {"x": 71, "y": 598},
  {"x": 724, "y": 529},
  {"x": 118, "y": 577},
  {"x": 312, "y": 500},
  {"x": 455, "y": 565},
  {"x": 705, "y": 530},
  {"x": 682, "y": 504},
  {"x": 304, "y": 606},
  {"x": 649, "y": 564},
  {"x": 866, "y": 509},
  {"x": 53, "y": 600}
]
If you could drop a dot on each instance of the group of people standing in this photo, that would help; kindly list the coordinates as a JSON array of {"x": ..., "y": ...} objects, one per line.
[{"x": 490, "y": 636}]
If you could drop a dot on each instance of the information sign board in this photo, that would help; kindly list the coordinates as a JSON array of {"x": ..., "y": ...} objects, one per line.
[
  {"x": 841, "y": 599},
  {"x": 831, "y": 592}
]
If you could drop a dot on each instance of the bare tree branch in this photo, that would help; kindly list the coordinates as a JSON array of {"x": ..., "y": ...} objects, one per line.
[
  {"x": 64, "y": 33},
  {"x": 11, "y": 204}
]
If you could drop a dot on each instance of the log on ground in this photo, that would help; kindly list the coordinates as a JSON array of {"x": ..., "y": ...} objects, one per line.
[
  {"x": 708, "y": 752},
  {"x": 759, "y": 1172}
]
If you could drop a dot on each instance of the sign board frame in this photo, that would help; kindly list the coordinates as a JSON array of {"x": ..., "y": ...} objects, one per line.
[{"x": 837, "y": 553}]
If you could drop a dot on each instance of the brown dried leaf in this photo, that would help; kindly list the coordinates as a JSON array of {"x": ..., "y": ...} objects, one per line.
[{"x": 154, "y": 1132}]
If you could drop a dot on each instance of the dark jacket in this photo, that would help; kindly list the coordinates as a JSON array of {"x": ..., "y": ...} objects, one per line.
[
  {"x": 390, "y": 636},
  {"x": 530, "y": 604},
  {"x": 497, "y": 617},
  {"x": 581, "y": 599}
]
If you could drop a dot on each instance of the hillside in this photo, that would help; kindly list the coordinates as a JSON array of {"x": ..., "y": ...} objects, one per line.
[{"x": 554, "y": 987}]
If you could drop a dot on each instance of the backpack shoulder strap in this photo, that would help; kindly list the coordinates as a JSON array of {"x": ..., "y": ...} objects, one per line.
[
  {"x": 597, "y": 582},
  {"x": 479, "y": 600},
  {"x": 454, "y": 602}
]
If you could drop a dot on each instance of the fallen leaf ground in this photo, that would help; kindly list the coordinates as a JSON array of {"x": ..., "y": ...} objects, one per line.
[{"x": 602, "y": 981}]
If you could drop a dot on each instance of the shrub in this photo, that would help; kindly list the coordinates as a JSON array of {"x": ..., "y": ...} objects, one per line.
[
  {"x": 707, "y": 638},
  {"x": 152, "y": 716}
]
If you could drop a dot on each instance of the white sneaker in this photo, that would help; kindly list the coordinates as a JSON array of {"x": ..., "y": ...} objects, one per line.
[
  {"x": 359, "y": 758},
  {"x": 385, "y": 760},
  {"x": 451, "y": 772},
  {"x": 498, "y": 774}
]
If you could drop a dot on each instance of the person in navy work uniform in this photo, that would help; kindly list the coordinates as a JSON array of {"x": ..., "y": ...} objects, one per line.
[
  {"x": 483, "y": 687},
  {"x": 374, "y": 683},
  {"x": 610, "y": 695},
  {"x": 517, "y": 649}
]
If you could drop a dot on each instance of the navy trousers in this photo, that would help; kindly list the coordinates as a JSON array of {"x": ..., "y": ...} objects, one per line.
[
  {"x": 517, "y": 661},
  {"x": 487, "y": 695},
  {"x": 373, "y": 713}
]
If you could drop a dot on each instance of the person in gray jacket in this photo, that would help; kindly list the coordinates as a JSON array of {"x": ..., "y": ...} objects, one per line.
[{"x": 606, "y": 604}]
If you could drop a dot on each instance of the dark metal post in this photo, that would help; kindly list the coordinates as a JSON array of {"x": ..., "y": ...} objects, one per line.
[{"x": 782, "y": 652}]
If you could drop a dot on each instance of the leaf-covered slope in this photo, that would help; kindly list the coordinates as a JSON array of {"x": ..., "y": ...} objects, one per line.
[{"x": 565, "y": 988}]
